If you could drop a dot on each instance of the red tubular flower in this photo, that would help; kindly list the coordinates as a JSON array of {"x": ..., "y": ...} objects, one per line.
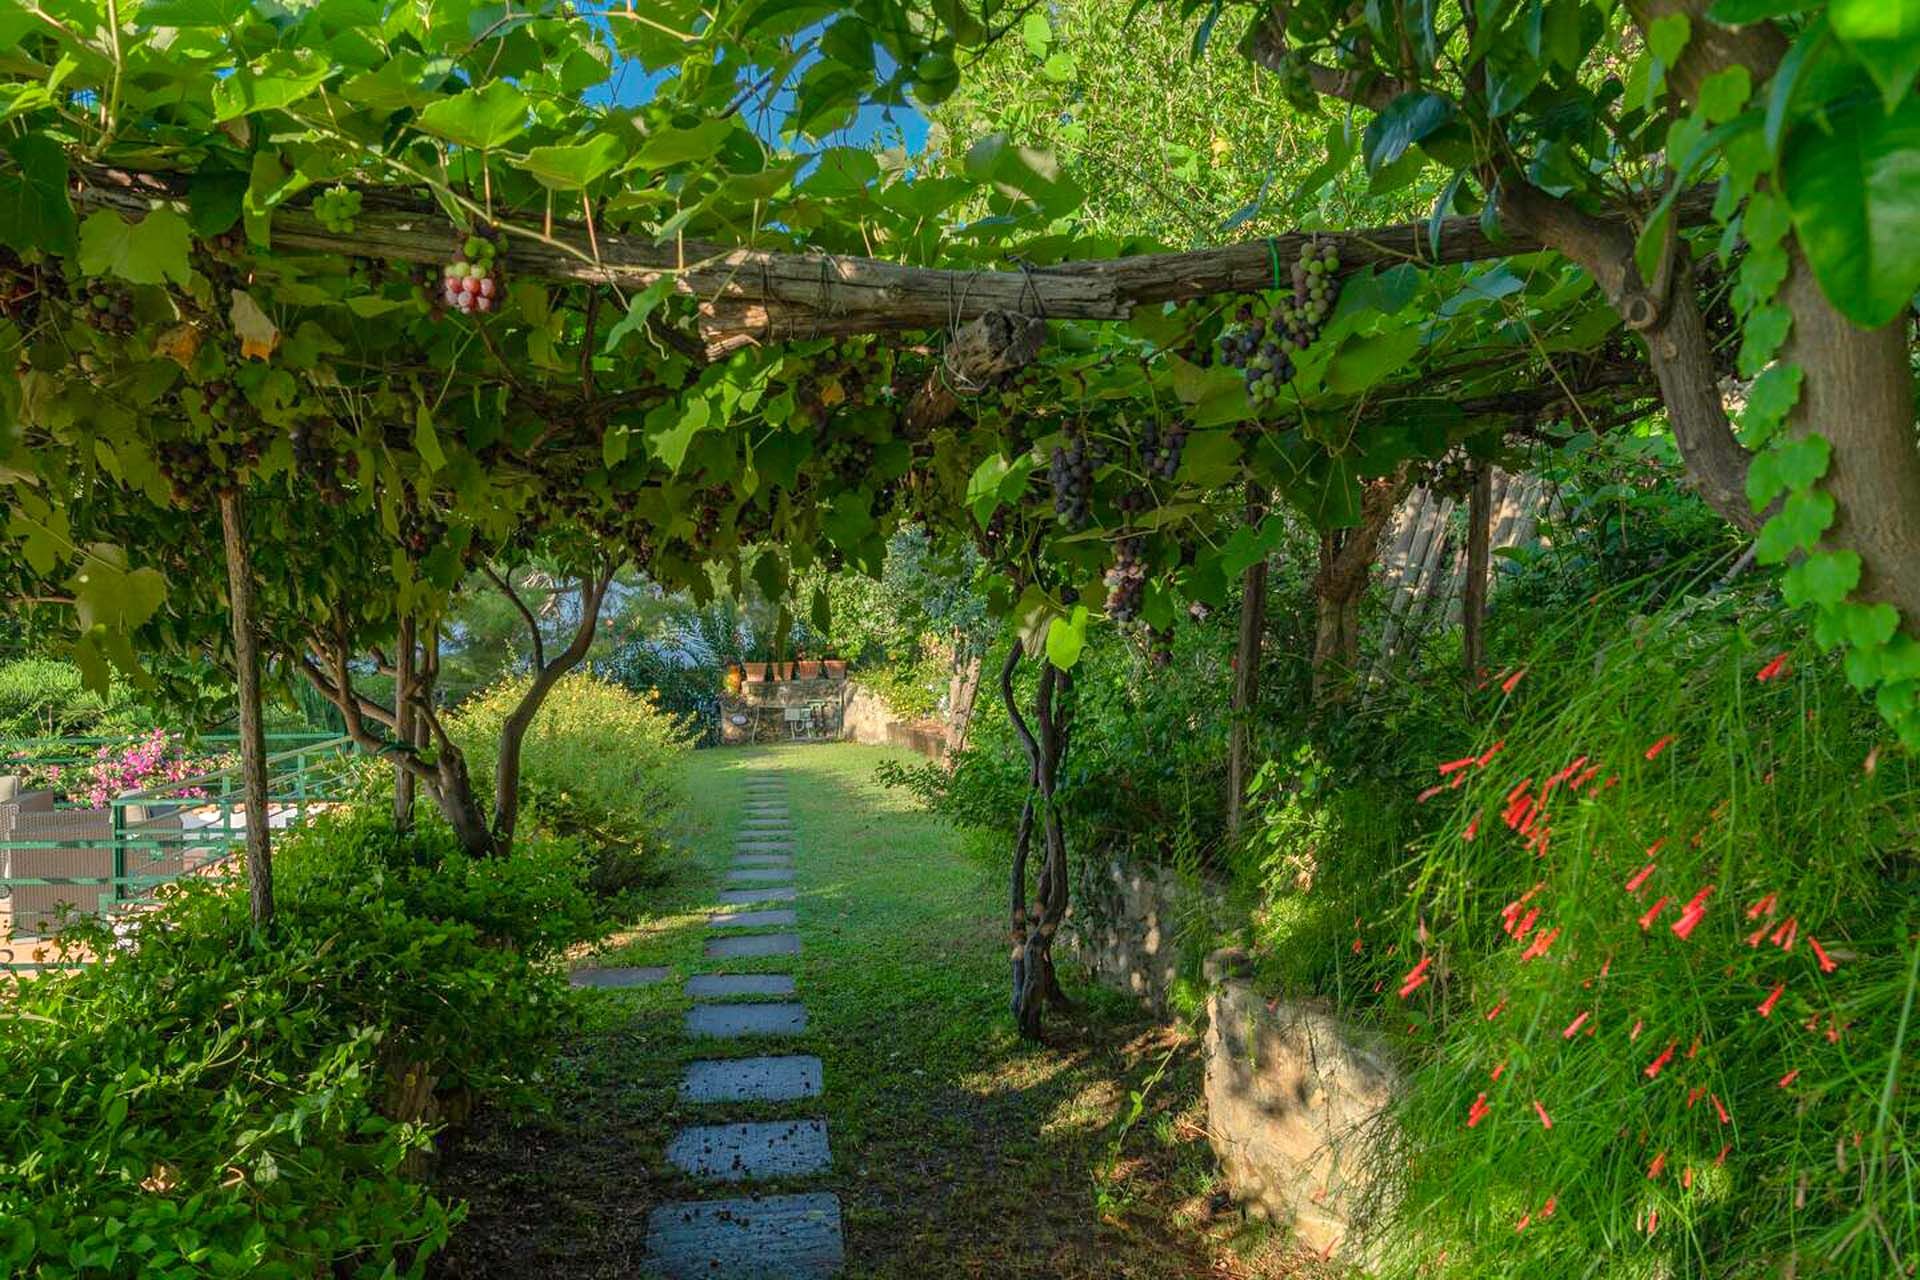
[
  {"x": 1546, "y": 1121},
  {"x": 1694, "y": 1095},
  {"x": 1478, "y": 1111},
  {"x": 1498, "y": 1072},
  {"x": 1722, "y": 1157},
  {"x": 1783, "y": 936},
  {"x": 1638, "y": 1027},
  {"x": 1506, "y": 686},
  {"x": 1684, "y": 926},
  {"x": 1653, "y": 752},
  {"x": 1653, "y": 913},
  {"x": 1358, "y": 946},
  {"x": 1459, "y": 780},
  {"x": 1655, "y": 846},
  {"x": 1773, "y": 998},
  {"x": 1526, "y": 1219},
  {"x": 1538, "y": 947},
  {"x": 1659, "y": 1064},
  {"x": 1820, "y": 953},
  {"x": 1473, "y": 828},
  {"x": 1489, "y": 753},
  {"x": 1640, "y": 877},
  {"x": 1546, "y": 1210},
  {"x": 1772, "y": 669},
  {"x": 1762, "y": 907},
  {"x": 1786, "y": 1081},
  {"x": 1585, "y": 777},
  {"x": 1686, "y": 1179},
  {"x": 1454, "y": 766},
  {"x": 1753, "y": 939},
  {"x": 1719, "y": 1108},
  {"x": 1659, "y": 1164},
  {"x": 1573, "y": 1028},
  {"x": 1415, "y": 978},
  {"x": 1514, "y": 795},
  {"x": 1430, "y": 793},
  {"x": 1497, "y": 1010}
]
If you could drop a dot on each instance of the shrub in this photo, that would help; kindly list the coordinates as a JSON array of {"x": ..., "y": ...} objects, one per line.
[
  {"x": 1727, "y": 1086},
  {"x": 41, "y": 698},
  {"x": 217, "y": 1100},
  {"x": 599, "y": 762}
]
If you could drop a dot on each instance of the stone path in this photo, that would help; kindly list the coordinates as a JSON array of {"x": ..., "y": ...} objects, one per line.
[{"x": 789, "y": 1237}]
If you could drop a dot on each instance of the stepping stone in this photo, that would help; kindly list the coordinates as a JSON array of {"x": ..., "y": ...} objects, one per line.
[
  {"x": 728, "y": 1021},
  {"x": 752, "y": 1080},
  {"x": 763, "y": 860},
  {"x": 762, "y": 1238},
  {"x": 617, "y": 977},
  {"x": 740, "y": 1152},
  {"x": 753, "y": 919},
  {"x": 782, "y": 875},
  {"x": 772, "y": 893},
  {"x": 709, "y": 985},
  {"x": 752, "y": 945},
  {"x": 764, "y": 846}
]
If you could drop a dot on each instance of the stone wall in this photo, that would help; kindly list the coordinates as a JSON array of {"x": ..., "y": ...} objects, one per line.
[
  {"x": 1294, "y": 1094},
  {"x": 844, "y": 711},
  {"x": 870, "y": 720},
  {"x": 1124, "y": 928},
  {"x": 1295, "y": 1102},
  {"x": 758, "y": 713}
]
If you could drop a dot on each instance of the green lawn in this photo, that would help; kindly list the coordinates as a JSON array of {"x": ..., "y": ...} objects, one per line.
[{"x": 958, "y": 1151}]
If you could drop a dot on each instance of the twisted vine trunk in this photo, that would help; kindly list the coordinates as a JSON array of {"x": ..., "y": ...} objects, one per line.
[{"x": 1035, "y": 984}]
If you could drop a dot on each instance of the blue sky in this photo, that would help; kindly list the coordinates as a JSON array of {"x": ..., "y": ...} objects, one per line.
[{"x": 630, "y": 85}]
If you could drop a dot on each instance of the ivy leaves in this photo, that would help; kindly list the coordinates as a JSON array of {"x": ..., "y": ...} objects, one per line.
[{"x": 1853, "y": 182}]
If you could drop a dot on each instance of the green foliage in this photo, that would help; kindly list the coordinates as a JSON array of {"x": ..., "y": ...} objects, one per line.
[
  {"x": 42, "y": 698},
  {"x": 217, "y": 1100},
  {"x": 913, "y": 689},
  {"x": 598, "y": 763}
]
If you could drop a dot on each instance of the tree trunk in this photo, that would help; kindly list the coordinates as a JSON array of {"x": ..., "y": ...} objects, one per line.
[
  {"x": 253, "y": 738},
  {"x": 513, "y": 733},
  {"x": 1346, "y": 561},
  {"x": 1246, "y": 669},
  {"x": 1473, "y": 600},
  {"x": 403, "y": 716},
  {"x": 966, "y": 695}
]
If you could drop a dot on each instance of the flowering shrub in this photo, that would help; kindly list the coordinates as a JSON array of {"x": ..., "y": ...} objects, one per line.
[
  {"x": 147, "y": 763},
  {"x": 1655, "y": 972}
]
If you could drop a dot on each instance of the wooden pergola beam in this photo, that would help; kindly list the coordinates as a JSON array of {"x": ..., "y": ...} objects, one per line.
[{"x": 747, "y": 296}]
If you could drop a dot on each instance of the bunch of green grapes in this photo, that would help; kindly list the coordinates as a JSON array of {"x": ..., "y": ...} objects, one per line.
[{"x": 336, "y": 208}]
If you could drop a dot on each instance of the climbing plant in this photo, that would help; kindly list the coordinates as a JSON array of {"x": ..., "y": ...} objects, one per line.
[{"x": 413, "y": 291}]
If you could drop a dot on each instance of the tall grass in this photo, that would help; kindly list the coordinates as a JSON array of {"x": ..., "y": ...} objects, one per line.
[{"x": 1632, "y": 1097}]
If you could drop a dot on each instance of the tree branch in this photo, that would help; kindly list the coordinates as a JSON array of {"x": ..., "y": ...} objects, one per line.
[{"x": 533, "y": 624}]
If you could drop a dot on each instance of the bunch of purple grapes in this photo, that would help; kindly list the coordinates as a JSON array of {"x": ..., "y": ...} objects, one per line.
[{"x": 1264, "y": 346}]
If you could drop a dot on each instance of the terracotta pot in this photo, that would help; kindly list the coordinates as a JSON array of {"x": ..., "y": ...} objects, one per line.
[
  {"x": 756, "y": 672},
  {"x": 806, "y": 669},
  {"x": 836, "y": 668}
]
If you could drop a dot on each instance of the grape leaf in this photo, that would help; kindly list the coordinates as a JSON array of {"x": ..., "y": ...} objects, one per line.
[{"x": 150, "y": 251}]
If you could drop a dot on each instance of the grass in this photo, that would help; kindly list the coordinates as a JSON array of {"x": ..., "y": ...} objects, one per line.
[{"x": 958, "y": 1150}]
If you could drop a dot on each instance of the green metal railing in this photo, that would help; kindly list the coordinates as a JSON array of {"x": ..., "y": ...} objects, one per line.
[
  {"x": 144, "y": 839},
  {"x": 40, "y": 752}
]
